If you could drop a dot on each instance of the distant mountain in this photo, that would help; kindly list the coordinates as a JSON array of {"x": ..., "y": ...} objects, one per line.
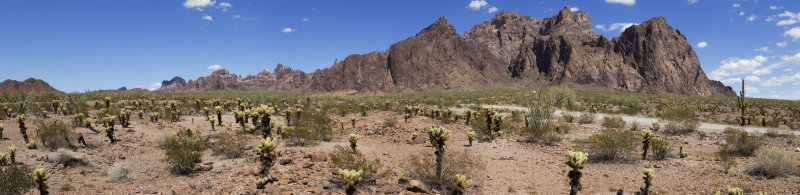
[
  {"x": 651, "y": 57},
  {"x": 28, "y": 85}
]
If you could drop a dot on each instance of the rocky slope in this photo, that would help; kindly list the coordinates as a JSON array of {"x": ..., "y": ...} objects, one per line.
[
  {"x": 651, "y": 57},
  {"x": 28, "y": 85}
]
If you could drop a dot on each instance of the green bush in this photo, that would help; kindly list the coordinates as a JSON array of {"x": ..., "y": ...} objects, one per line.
[
  {"x": 613, "y": 122},
  {"x": 742, "y": 143},
  {"x": 423, "y": 168},
  {"x": 309, "y": 125},
  {"x": 184, "y": 151},
  {"x": 541, "y": 128},
  {"x": 679, "y": 120},
  {"x": 771, "y": 163},
  {"x": 15, "y": 179},
  {"x": 567, "y": 117},
  {"x": 586, "y": 118},
  {"x": 346, "y": 158},
  {"x": 390, "y": 122},
  {"x": 55, "y": 134},
  {"x": 611, "y": 145}
]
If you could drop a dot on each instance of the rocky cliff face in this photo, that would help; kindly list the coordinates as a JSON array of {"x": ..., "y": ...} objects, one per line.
[
  {"x": 651, "y": 57},
  {"x": 28, "y": 85}
]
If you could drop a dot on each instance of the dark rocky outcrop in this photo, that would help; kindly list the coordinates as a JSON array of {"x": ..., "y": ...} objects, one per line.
[
  {"x": 28, "y": 85},
  {"x": 651, "y": 57}
]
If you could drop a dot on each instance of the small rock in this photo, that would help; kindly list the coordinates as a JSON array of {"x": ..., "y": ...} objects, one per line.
[
  {"x": 318, "y": 157},
  {"x": 797, "y": 149},
  {"x": 389, "y": 189},
  {"x": 416, "y": 186}
]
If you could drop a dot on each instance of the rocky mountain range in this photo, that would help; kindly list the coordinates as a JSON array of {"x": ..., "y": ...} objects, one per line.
[
  {"x": 651, "y": 57},
  {"x": 28, "y": 85}
]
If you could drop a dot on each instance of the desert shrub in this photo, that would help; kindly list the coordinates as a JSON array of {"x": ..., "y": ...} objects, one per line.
[
  {"x": 229, "y": 146},
  {"x": 726, "y": 158},
  {"x": 15, "y": 179},
  {"x": 742, "y": 143},
  {"x": 423, "y": 168},
  {"x": 771, "y": 163},
  {"x": 541, "y": 128},
  {"x": 635, "y": 126},
  {"x": 611, "y": 145},
  {"x": 63, "y": 156},
  {"x": 184, "y": 151},
  {"x": 567, "y": 117},
  {"x": 119, "y": 173},
  {"x": 613, "y": 122},
  {"x": 773, "y": 133},
  {"x": 390, "y": 122},
  {"x": 679, "y": 120},
  {"x": 55, "y": 134},
  {"x": 656, "y": 126},
  {"x": 660, "y": 148},
  {"x": 309, "y": 125},
  {"x": 586, "y": 118},
  {"x": 346, "y": 158}
]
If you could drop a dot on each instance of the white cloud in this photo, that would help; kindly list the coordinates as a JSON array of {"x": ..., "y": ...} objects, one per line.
[
  {"x": 752, "y": 17},
  {"x": 623, "y": 2},
  {"x": 795, "y": 59},
  {"x": 737, "y": 66},
  {"x": 288, "y": 30},
  {"x": 794, "y": 33},
  {"x": 198, "y": 4},
  {"x": 778, "y": 81},
  {"x": 492, "y": 9},
  {"x": 215, "y": 67},
  {"x": 737, "y": 5},
  {"x": 762, "y": 49},
  {"x": 731, "y": 81},
  {"x": 237, "y": 16},
  {"x": 620, "y": 25},
  {"x": 772, "y": 7},
  {"x": 770, "y": 18},
  {"x": 753, "y": 79},
  {"x": 692, "y": 1},
  {"x": 477, "y": 4},
  {"x": 751, "y": 89},
  {"x": 741, "y": 13},
  {"x": 224, "y": 6},
  {"x": 787, "y": 22},
  {"x": 306, "y": 20},
  {"x": 574, "y": 9},
  {"x": 702, "y": 44},
  {"x": 209, "y": 18}
]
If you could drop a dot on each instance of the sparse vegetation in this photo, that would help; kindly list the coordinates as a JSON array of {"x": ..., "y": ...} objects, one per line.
[
  {"x": 575, "y": 161},
  {"x": 772, "y": 163},
  {"x": 15, "y": 179},
  {"x": 614, "y": 122},
  {"x": 610, "y": 145},
  {"x": 346, "y": 158},
  {"x": 184, "y": 151},
  {"x": 267, "y": 153},
  {"x": 423, "y": 168},
  {"x": 119, "y": 173},
  {"x": 39, "y": 177},
  {"x": 586, "y": 118},
  {"x": 63, "y": 156},
  {"x": 648, "y": 179},
  {"x": 55, "y": 134},
  {"x": 351, "y": 179},
  {"x": 742, "y": 143}
]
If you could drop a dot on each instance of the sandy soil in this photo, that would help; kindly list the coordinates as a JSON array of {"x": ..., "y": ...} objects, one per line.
[{"x": 512, "y": 166}]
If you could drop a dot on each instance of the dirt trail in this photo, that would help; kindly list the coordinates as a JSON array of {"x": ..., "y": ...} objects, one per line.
[{"x": 708, "y": 127}]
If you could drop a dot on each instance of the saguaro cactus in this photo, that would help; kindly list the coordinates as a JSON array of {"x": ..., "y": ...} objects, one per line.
[
  {"x": 648, "y": 178},
  {"x": 461, "y": 184},
  {"x": 39, "y": 176},
  {"x": 575, "y": 161},
  {"x": 353, "y": 139},
  {"x": 267, "y": 153},
  {"x": 351, "y": 178},
  {"x": 647, "y": 135},
  {"x": 742, "y": 104},
  {"x": 439, "y": 136}
]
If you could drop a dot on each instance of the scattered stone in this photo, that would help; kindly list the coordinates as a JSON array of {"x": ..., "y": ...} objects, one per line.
[{"x": 416, "y": 186}]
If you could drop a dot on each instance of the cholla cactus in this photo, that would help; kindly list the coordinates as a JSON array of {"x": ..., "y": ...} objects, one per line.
[
  {"x": 438, "y": 136},
  {"x": 2, "y": 126},
  {"x": 648, "y": 178},
  {"x": 682, "y": 154},
  {"x": 31, "y": 145},
  {"x": 353, "y": 121},
  {"x": 109, "y": 123},
  {"x": 44, "y": 113},
  {"x": 248, "y": 128},
  {"x": 353, "y": 140},
  {"x": 212, "y": 120},
  {"x": 467, "y": 117},
  {"x": 78, "y": 119},
  {"x": 3, "y": 159},
  {"x": 575, "y": 161},
  {"x": 107, "y": 100},
  {"x": 735, "y": 191},
  {"x": 125, "y": 117},
  {"x": 351, "y": 178},
  {"x": 267, "y": 153},
  {"x": 219, "y": 110},
  {"x": 154, "y": 116},
  {"x": 461, "y": 184},
  {"x": 414, "y": 136},
  {"x": 264, "y": 122},
  {"x": 22, "y": 129},
  {"x": 406, "y": 116},
  {"x": 647, "y": 135},
  {"x": 261, "y": 182},
  {"x": 12, "y": 154},
  {"x": 39, "y": 176},
  {"x": 470, "y": 136}
]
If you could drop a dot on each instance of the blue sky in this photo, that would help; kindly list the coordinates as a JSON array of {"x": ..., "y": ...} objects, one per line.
[{"x": 101, "y": 44}]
